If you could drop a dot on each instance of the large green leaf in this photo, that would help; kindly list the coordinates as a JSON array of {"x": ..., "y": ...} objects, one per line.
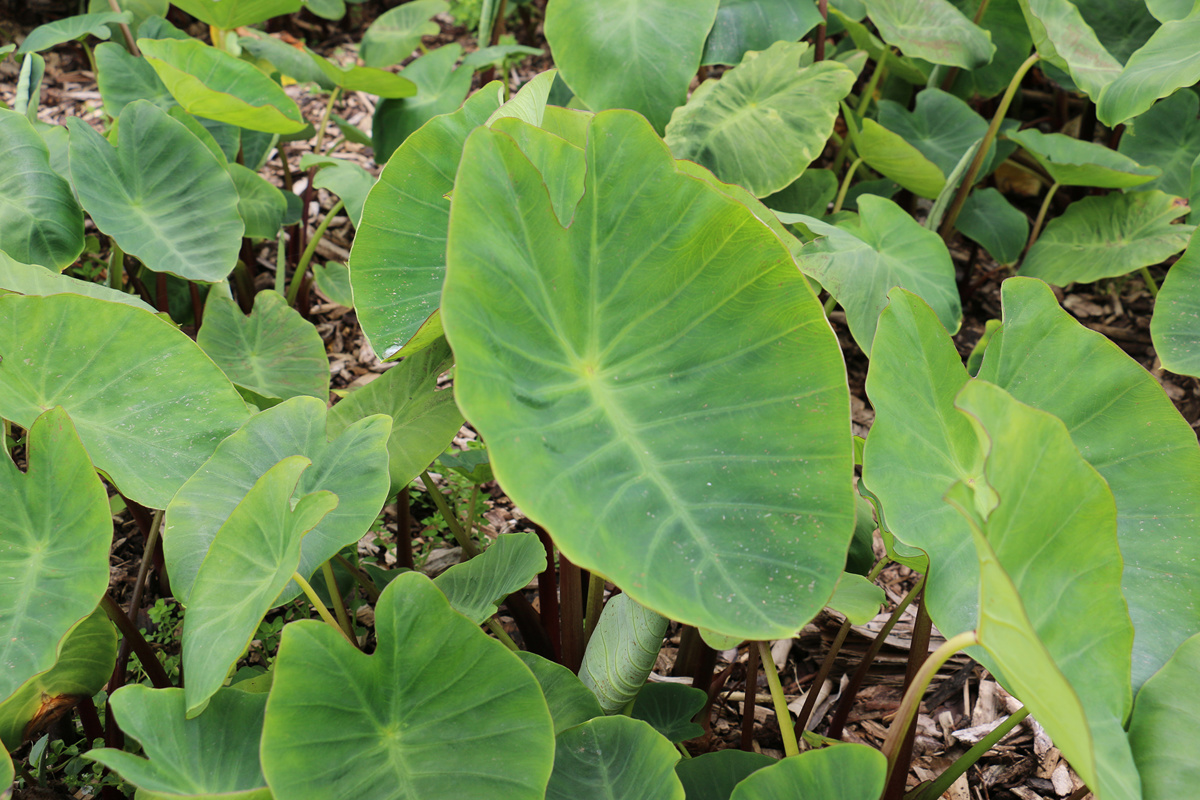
[
  {"x": 85, "y": 663},
  {"x": 1074, "y": 162},
  {"x": 1063, "y": 38},
  {"x": 274, "y": 352},
  {"x": 940, "y": 125},
  {"x": 399, "y": 253},
  {"x": 43, "y": 37},
  {"x": 890, "y": 155},
  {"x": 713, "y": 776},
  {"x": 40, "y": 222},
  {"x": 212, "y": 757},
  {"x": 1122, "y": 26},
  {"x": 636, "y": 54},
  {"x": 862, "y": 259},
  {"x": 149, "y": 190},
  {"x": 149, "y": 405},
  {"x": 614, "y": 758},
  {"x": 608, "y": 347},
  {"x": 1127, "y": 428},
  {"x": 123, "y": 78},
  {"x": 1103, "y": 237},
  {"x": 378, "y": 82},
  {"x": 394, "y": 35},
  {"x": 440, "y": 709},
  {"x": 569, "y": 700},
  {"x": 764, "y": 121},
  {"x": 424, "y": 420},
  {"x": 1174, "y": 330},
  {"x": 933, "y": 30},
  {"x": 211, "y": 83},
  {"x": 1165, "y": 727},
  {"x": 475, "y": 588},
  {"x": 911, "y": 70},
  {"x": 1168, "y": 137},
  {"x": 841, "y": 772},
  {"x": 230, "y": 14},
  {"x": 54, "y": 540},
  {"x": 440, "y": 90},
  {"x": 744, "y": 25},
  {"x": 1006, "y": 24},
  {"x": 990, "y": 220},
  {"x": 1169, "y": 61},
  {"x": 139, "y": 10},
  {"x": 249, "y": 562},
  {"x": 352, "y": 466},
  {"x": 35, "y": 279},
  {"x": 621, "y": 652},
  {"x": 1048, "y": 560}
]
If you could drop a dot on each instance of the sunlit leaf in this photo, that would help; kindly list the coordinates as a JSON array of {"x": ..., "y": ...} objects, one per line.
[
  {"x": 1073, "y": 162},
  {"x": 230, "y": 14},
  {"x": 43, "y": 37}
]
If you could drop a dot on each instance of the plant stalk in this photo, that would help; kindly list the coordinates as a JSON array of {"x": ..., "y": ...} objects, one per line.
[
  {"x": 150, "y": 663},
  {"x": 968, "y": 180},
  {"x": 595, "y": 604},
  {"x": 439, "y": 500},
  {"x": 1041, "y": 218},
  {"x": 748, "y": 702},
  {"x": 786, "y": 731},
  {"x": 845, "y": 187},
  {"x": 570, "y": 588},
  {"x": 125, "y": 31},
  {"x": 1151, "y": 284},
  {"x": 116, "y": 265},
  {"x": 819, "y": 50},
  {"x": 961, "y": 764},
  {"x": 302, "y": 267},
  {"x": 810, "y": 701},
  {"x": 548, "y": 593},
  {"x": 320, "y": 607},
  {"x": 339, "y": 606},
  {"x": 496, "y": 628}
]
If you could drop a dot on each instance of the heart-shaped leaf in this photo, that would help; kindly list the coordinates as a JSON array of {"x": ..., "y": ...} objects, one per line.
[
  {"x": 123, "y": 78},
  {"x": 352, "y": 466},
  {"x": 1168, "y": 61},
  {"x": 333, "y": 280},
  {"x": 856, "y": 598},
  {"x": 54, "y": 541},
  {"x": 40, "y": 222},
  {"x": 1162, "y": 732},
  {"x": 990, "y": 220},
  {"x": 211, "y": 83},
  {"x": 214, "y": 756},
  {"x": 784, "y": 113},
  {"x": 841, "y": 772},
  {"x": 147, "y": 202},
  {"x": 230, "y": 14},
  {"x": 1073, "y": 162},
  {"x": 569, "y": 700},
  {"x": 890, "y": 155},
  {"x": 43, "y": 37},
  {"x": 1173, "y": 328},
  {"x": 261, "y": 206},
  {"x": 614, "y": 757},
  {"x": 249, "y": 562},
  {"x": 396, "y": 33},
  {"x": 475, "y": 588},
  {"x": 424, "y": 420},
  {"x": 1006, "y": 24},
  {"x": 940, "y": 125},
  {"x": 863, "y": 258},
  {"x": 608, "y": 56},
  {"x": 1168, "y": 137},
  {"x": 348, "y": 180},
  {"x": 628, "y": 474},
  {"x": 933, "y": 30},
  {"x": 35, "y": 279},
  {"x": 1063, "y": 38},
  {"x": 148, "y": 448},
  {"x": 669, "y": 708},
  {"x": 85, "y": 663},
  {"x": 441, "y": 89},
  {"x": 412, "y": 727},
  {"x": 744, "y": 25},
  {"x": 274, "y": 352},
  {"x": 1103, "y": 237},
  {"x": 713, "y": 776},
  {"x": 621, "y": 652}
]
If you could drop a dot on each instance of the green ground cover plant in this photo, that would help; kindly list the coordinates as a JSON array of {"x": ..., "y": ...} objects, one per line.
[{"x": 630, "y": 281}]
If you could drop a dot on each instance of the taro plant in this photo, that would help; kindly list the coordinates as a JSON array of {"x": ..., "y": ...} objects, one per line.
[{"x": 635, "y": 290}]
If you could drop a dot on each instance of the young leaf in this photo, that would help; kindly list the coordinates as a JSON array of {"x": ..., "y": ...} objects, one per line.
[
  {"x": 29, "y": 87},
  {"x": 1163, "y": 729},
  {"x": 863, "y": 259},
  {"x": 396, "y": 33},
  {"x": 744, "y": 25},
  {"x": 274, "y": 352},
  {"x": 1173, "y": 328},
  {"x": 614, "y": 757},
  {"x": 475, "y": 588},
  {"x": 351, "y": 465},
  {"x": 1073, "y": 162},
  {"x": 1063, "y": 38},
  {"x": 933, "y": 30},
  {"x": 378, "y": 82},
  {"x": 1167, "y": 62},
  {"x": 40, "y": 222},
  {"x": 669, "y": 708},
  {"x": 856, "y": 598},
  {"x": 214, "y": 755},
  {"x": 1103, "y": 237},
  {"x": 348, "y": 180},
  {"x": 784, "y": 114},
  {"x": 55, "y": 537},
  {"x": 333, "y": 280},
  {"x": 621, "y": 652},
  {"x": 636, "y": 54},
  {"x": 569, "y": 700},
  {"x": 149, "y": 405},
  {"x": 890, "y": 155},
  {"x": 43, "y": 37},
  {"x": 211, "y": 83},
  {"x": 440, "y": 709},
  {"x": 146, "y": 191},
  {"x": 842, "y": 772},
  {"x": 249, "y": 562},
  {"x": 628, "y": 474}
]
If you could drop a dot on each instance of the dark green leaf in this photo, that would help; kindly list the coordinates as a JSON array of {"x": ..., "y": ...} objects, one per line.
[
  {"x": 1168, "y": 137},
  {"x": 394, "y": 35},
  {"x": 669, "y": 708},
  {"x": 614, "y": 758},
  {"x": 569, "y": 700},
  {"x": 744, "y": 25},
  {"x": 988, "y": 219},
  {"x": 441, "y": 89},
  {"x": 713, "y": 776},
  {"x": 841, "y": 772}
]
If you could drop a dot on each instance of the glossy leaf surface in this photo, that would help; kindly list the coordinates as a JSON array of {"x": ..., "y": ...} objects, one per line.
[
  {"x": 1166, "y": 720},
  {"x": 669, "y": 708},
  {"x": 212, "y": 757},
  {"x": 603, "y": 376},
  {"x": 569, "y": 700},
  {"x": 352, "y": 466},
  {"x": 432, "y": 713},
  {"x": 933, "y": 30},
  {"x": 249, "y": 562},
  {"x": 148, "y": 448},
  {"x": 862, "y": 259},
  {"x": 1072, "y": 162},
  {"x": 614, "y": 758},
  {"x": 476, "y": 588},
  {"x": 396, "y": 33},
  {"x": 713, "y": 776},
  {"x": 1103, "y": 237},
  {"x": 743, "y": 25},
  {"x": 764, "y": 121},
  {"x": 841, "y": 772},
  {"x": 621, "y": 652},
  {"x": 1168, "y": 61},
  {"x": 54, "y": 542},
  {"x": 635, "y": 54},
  {"x": 274, "y": 351},
  {"x": 1174, "y": 327},
  {"x": 40, "y": 222},
  {"x": 144, "y": 191}
]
